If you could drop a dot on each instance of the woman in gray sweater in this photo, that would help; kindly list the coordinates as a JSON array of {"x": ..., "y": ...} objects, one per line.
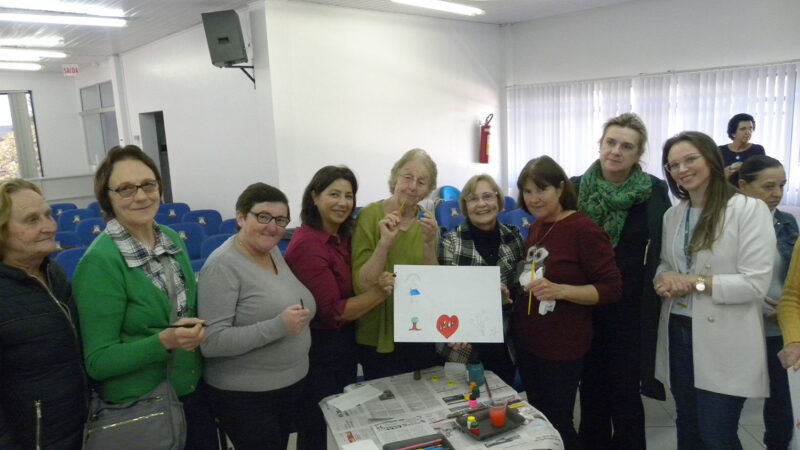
[{"x": 257, "y": 341}]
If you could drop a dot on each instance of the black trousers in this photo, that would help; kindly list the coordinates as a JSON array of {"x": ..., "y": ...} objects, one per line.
[
  {"x": 201, "y": 428},
  {"x": 406, "y": 357},
  {"x": 258, "y": 420},
  {"x": 332, "y": 366},
  {"x": 551, "y": 387},
  {"x": 612, "y": 414}
]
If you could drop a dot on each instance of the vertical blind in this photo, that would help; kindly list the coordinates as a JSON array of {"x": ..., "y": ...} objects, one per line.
[{"x": 564, "y": 120}]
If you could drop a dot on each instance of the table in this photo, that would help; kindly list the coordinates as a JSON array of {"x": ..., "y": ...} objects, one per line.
[{"x": 409, "y": 407}]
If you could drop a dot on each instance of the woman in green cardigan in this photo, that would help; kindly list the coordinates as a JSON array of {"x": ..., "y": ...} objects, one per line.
[{"x": 121, "y": 287}]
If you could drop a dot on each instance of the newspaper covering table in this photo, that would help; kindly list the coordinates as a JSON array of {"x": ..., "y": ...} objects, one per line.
[{"x": 408, "y": 408}]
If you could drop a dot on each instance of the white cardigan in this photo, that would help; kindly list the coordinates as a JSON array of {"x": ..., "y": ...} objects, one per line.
[{"x": 727, "y": 327}]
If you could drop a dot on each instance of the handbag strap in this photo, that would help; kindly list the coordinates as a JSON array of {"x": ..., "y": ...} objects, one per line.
[{"x": 172, "y": 293}]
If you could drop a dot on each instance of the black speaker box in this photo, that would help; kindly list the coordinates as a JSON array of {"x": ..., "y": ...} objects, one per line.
[{"x": 224, "y": 36}]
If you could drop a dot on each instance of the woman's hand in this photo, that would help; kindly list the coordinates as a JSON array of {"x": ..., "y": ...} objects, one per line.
[
  {"x": 429, "y": 229},
  {"x": 389, "y": 226},
  {"x": 184, "y": 338},
  {"x": 295, "y": 318},
  {"x": 458, "y": 346},
  {"x": 505, "y": 295},
  {"x": 790, "y": 356},
  {"x": 674, "y": 284},
  {"x": 545, "y": 289},
  {"x": 386, "y": 283}
]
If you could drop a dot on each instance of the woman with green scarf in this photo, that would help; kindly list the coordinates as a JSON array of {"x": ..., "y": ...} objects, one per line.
[{"x": 628, "y": 204}]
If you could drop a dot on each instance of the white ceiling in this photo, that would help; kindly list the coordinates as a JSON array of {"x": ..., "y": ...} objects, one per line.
[{"x": 150, "y": 20}]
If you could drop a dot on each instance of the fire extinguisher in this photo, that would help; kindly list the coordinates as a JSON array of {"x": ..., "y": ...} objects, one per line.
[{"x": 484, "y": 153}]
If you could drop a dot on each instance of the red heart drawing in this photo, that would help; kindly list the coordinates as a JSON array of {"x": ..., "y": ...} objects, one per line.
[{"x": 447, "y": 325}]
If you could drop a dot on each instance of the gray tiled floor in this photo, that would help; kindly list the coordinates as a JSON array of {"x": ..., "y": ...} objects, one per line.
[{"x": 660, "y": 424}]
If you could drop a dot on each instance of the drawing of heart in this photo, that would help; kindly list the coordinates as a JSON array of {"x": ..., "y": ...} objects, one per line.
[{"x": 447, "y": 325}]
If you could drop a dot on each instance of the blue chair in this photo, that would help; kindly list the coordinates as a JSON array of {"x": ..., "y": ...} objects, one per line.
[
  {"x": 211, "y": 243},
  {"x": 449, "y": 193},
  {"x": 283, "y": 244},
  {"x": 192, "y": 235},
  {"x": 70, "y": 218},
  {"x": 94, "y": 206},
  {"x": 174, "y": 211},
  {"x": 510, "y": 203},
  {"x": 448, "y": 215},
  {"x": 197, "y": 264},
  {"x": 66, "y": 240},
  {"x": 161, "y": 219},
  {"x": 88, "y": 229},
  {"x": 209, "y": 219},
  {"x": 68, "y": 259},
  {"x": 59, "y": 208},
  {"x": 519, "y": 219},
  {"x": 228, "y": 226}
]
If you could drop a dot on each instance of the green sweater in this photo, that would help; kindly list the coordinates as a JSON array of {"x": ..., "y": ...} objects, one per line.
[
  {"x": 117, "y": 306},
  {"x": 376, "y": 328}
]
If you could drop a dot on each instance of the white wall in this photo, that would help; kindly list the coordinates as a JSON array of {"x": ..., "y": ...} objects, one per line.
[
  {"x": 55, "y": 104},
  {"x": 360, "y": 88},
  {"x": 210, "y": 118},
  {"x": 653, "y": 36}
]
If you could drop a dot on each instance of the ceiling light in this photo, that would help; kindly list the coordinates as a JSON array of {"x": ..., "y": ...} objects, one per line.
[
  {"x": 439, "y": 5},
  {"x": 19, "y": 54},
  {"x": 63, "y": 19},
  {"x": 43, "y": 41},
  {"x": 19, "y": 66},
  {"x": 63, "y": 7}
]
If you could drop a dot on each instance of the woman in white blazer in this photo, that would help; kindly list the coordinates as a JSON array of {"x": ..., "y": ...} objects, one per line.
[{"x": 716, "y": 266}]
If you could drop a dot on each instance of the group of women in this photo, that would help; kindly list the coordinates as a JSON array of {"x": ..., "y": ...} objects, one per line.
[{"x": 640, "y": 288}]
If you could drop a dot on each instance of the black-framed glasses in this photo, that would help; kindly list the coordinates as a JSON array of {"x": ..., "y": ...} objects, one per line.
[
  {"x": 129, "y": 190},
  {"x": 264, "y": 218},
  {"x": 487, "y": 197}
]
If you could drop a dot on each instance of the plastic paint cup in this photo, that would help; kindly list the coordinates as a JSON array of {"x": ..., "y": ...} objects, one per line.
[{"x": 497, "y": 414}]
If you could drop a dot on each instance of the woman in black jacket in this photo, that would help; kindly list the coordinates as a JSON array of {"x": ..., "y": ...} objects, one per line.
[
  {"x": 43, "y": 388},
  {"x": 628, "y": 204}
]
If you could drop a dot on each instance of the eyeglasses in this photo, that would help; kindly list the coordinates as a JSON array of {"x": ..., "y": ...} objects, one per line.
[
  {"x": 129, "y": 190},
  {"x": 688, "y": 162},
  {"x": 409, "y": 179},
  {"x": 264, "y": 218},
  {"x": 487, "y": 197}
]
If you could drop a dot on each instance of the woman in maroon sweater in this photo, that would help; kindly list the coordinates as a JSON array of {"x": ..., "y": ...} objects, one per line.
[{"x": 579, "y": 272}]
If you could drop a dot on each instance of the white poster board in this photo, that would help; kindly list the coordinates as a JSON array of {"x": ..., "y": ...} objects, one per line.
[{"x": 447, "y": 304}]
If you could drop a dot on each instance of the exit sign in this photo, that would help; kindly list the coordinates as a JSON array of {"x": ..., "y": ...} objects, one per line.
[{"x": 70, "y": 70}]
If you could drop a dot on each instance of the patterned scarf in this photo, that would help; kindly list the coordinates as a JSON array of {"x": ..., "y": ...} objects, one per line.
[{"x": 607, "y": 205}]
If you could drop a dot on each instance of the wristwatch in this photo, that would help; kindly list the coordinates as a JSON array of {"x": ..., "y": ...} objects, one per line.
[{"x": 700, "y": 284}]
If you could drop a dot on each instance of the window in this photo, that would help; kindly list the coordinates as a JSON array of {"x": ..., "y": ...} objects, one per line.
[
  {"x": 99, "y": 120},
  {"x": 564, "y": 120},
  {"x": 19, "y": 151}
]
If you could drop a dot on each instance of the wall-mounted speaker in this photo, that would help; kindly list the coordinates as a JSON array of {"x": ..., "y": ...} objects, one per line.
[{"x": 224, "y": 36}]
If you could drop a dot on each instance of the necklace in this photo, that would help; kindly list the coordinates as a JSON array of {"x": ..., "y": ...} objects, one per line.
[{"x": 545, "y": 233}]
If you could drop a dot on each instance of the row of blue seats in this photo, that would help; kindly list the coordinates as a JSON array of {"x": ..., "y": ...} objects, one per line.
[
  {"x": 69, "y": 217},
  {"x": 449, "y": 216},
  {"x": 71, "y": 246}
]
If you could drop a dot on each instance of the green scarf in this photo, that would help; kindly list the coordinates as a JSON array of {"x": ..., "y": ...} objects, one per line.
[{"x": 607, "y": 205}]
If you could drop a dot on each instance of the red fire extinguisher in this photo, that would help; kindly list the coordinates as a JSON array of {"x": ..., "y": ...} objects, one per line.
[{"x": 484, "y": 153}]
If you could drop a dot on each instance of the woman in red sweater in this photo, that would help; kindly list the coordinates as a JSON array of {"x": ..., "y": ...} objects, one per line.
[{"x": 579, "y": 272}]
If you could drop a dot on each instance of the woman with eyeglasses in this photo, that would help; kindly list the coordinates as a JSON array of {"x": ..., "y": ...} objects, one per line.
[
  {"x": 134, "y": 281},
  {"x": 388, "y": 232},
  {"x": 319, "y": 255},
  {"x": 629, "y": 204},
  {"x": 740, "y": 130},
  {"x": 717, "y": 256},
  {"x": 483, "y": 241},
  {"x": 764, "y": 178},
  {"x": 258, "y": 337}
]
